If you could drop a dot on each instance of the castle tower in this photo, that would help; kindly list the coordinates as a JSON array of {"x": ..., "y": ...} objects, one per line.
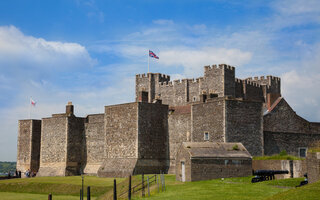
[
  {"x": 29, "y": 136},
  {"x": 150, "y": 83},
  {"x": 62, "y": 150}
]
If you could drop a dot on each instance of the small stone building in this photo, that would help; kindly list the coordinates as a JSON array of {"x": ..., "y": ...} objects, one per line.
[{"x": 197, "y": 161}]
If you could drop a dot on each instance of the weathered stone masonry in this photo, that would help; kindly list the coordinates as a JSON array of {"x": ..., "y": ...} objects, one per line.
[{"x": 144, "y": 136}]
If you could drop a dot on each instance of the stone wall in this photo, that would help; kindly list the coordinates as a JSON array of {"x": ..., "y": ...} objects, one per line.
[
  {"x": 218, "y": 80},
  {"x": 75, "y": 144},
  {"x": 313, "y": 166},
  {"x": 121, "y": 140},
  {"x": 205, "y": 168},
  {"x": 275, "y": 142},
  {"x": 94, "y": 143},
  {"x": 179, "y": 124},
  {"x": 153, "y": 146},
  {"x": 244, "y": 124},
  {"x": 136, "y": 139},
  {"x": 208, "y": 118},
  {"x": 29, "y": 136},
  {"x": 53, "y": 154},
  {"x": 183, "y": 156},
  {"x": 296, "y": 168},
  {"x": 283, "y": 118}
]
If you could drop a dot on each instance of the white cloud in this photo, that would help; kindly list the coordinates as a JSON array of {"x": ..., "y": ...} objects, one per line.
[
  {"x": 163, "y": 22},
  {"x": 193, "y": 60},
  {"x": 290, "y": 13},
  {"x": 17, "y": 50},
  {"x": 300, "y": 86}
]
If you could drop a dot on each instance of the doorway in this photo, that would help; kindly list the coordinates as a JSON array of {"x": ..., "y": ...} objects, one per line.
[{"x": 183, "y": 172}]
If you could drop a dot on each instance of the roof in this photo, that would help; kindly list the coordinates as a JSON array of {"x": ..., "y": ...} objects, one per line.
[
  {"x": 186, "y": 109},
  {"x": 216, "y": 150}
]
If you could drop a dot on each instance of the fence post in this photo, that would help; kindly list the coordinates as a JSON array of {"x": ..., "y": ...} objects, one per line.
[
  {"x": 129, "y": 190},
  {"x": 142, "y": 177},
  {"x": 114, "y": 189},
  {"x": 164, "y": 183},
  {"x": 158, "y": 182},
  {"x": 148, "y": 186},
  {"x": 50, "y": 197},
  {"x": 88, "y": 193}
]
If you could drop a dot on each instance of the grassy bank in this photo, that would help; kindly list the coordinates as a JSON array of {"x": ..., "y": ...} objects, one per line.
[
  {"x": 57, "y": 186},
  {"x": 67, "y": 188},
  {"x": 229, "y": 188}
]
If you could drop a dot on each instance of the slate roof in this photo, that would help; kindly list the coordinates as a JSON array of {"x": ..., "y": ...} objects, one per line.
[{"x": 215, "y": 150}]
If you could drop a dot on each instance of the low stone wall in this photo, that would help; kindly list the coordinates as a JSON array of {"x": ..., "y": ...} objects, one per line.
[
  {"x": 313, "y": 164},
  {"x": 297, "y": 169}
]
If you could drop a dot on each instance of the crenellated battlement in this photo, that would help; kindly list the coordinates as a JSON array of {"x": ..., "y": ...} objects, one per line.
[
  {"x": 264, "y": 80},
  {"x": 218, "y": 67},
  {"x": 252, "y": 83},
  {"x": 237, "y": 80}
]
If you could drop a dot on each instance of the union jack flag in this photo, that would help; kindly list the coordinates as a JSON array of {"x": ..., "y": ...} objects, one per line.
[{"x": 153, "y": 55}]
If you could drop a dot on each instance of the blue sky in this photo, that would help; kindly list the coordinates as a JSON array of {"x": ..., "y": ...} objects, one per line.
[{"x": 88, "y": 52}]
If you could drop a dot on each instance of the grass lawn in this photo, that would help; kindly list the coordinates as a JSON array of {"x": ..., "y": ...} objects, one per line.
[
  {"x": 67, "y": 188},
  {"x": 59, "y": 187},
  {"x": 229, "y": 188},
  {"x": 307, "y": 192}
]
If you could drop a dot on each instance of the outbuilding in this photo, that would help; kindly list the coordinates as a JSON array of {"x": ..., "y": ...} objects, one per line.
[{"x": 197, "y": 161}]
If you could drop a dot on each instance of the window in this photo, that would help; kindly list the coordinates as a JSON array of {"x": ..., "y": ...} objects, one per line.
[
  {"x": 194, "y": 98},
  {"x": 206, "y": 136},
  {"x": 302, "y": 152}
]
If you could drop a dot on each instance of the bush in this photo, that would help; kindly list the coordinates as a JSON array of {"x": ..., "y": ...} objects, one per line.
[
  {"x": 235, "y": 147},
  {"x": 283, "y": 153}
]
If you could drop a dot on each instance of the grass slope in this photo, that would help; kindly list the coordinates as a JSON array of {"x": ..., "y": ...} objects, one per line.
[
  {"x": 229, "y": 188},
  {"x": 307, "y": 192},
  {"x": 57, "y": 186}
]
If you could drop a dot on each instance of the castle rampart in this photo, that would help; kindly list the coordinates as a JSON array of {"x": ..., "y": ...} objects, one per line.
[
  {"x": 144, "y": 136},
  {"x": 217, "y": 80},
  {"x": 29, "y": 134},
  {"x": 61, "y": 151}
]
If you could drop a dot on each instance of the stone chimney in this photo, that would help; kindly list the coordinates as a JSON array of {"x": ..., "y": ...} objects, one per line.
[
  {"x": 271, "y": 98},
  {"x": 69, "y": 109}
]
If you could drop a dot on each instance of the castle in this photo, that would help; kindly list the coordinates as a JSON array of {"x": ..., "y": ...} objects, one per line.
[{"x": 144, "y": 136}]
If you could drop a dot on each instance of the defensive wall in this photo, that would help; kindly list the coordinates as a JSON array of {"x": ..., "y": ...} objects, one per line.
[
  {"x": 217, "y": 80},
  {"x": 136, "y": 139},
  {"x": 29, "y": 134},
  {"x": 144, "y": 136},
  {"x": 285, "y": 130}
]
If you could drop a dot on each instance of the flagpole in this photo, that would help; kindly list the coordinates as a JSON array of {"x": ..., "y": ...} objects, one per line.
[{"x": 148, "y": 60}]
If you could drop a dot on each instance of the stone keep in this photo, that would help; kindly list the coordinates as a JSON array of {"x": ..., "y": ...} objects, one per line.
[{"x": 144, "y": 136}]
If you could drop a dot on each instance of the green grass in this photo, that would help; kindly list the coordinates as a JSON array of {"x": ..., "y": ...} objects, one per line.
[
  {"x": 277, "y": 157},
  {"x": 67, "y": 188},
  {"x": 229, "y": 188},
  {"x": 57, "y": 186},
  {"x": 307, "y": 192}
]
